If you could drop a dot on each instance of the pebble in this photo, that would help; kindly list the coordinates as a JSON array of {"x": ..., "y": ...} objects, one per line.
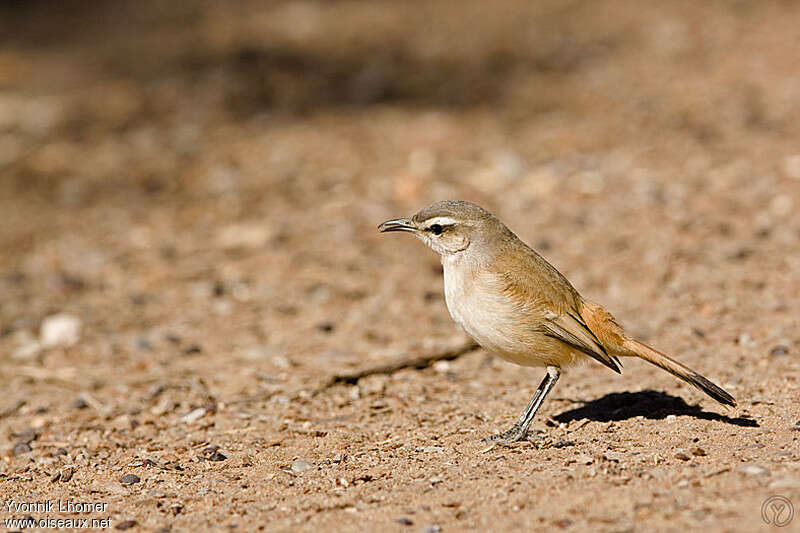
[
  {"x": 779, "y": 350},
  {"x": 753, "y": 470},
  {"x": 244, "y": 236},
  {"x": 301, "y": 466},
  {"x": 21, "y": 448},
  {"x": 435, "y": 528},
  {"x": 441, "y": 367},
  {"x": 143, "y": 343},
  {"x": 129, "y": 479},
  {"x": 405, "y": 521},
  {"x": 699, "y": 452},
  {"x": 194, "y": 416},
  {"x": 682, "y": 456},
  {"x": 745, "y": 340},
  {"x": 432, "y": 449},
  {"x": 60, "y": 330},
  {"x": 193, "y": 349},
  {"x": 80, "y": 403},
  {"x": 127, "y": 524}
]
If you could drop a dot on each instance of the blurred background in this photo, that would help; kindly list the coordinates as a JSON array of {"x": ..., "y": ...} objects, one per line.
[
  {"x": 189, "y": 191},
  {"x": 233, "y": 158}
]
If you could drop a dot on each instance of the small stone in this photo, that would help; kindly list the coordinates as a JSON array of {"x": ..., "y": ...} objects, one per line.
[
  {"x": 779, "y": 350},
  {"x": 435, "y": 528},
  {"x": 79, "y": 403},
  {"x": 405, "y": 521},
  {"x": 682, "y": 456},
  {"x": 699, "y": 452},
  {"x": 143, "y": 343},
  {"x": 194, "y": 416},
  {"x": 753, "y": 470},
  {"x": 66, "y": 474},
  {"x": 563, "y": 444},
  {"x": 671, "y": 419},
  {"x": 217, "y": 456},
  {"x": 129, "y": 479},
  {"x": 301, "y": 466},
  {"x": 243, "y": 236},
  {"x": 193, "y": 349},
  {"x": 432, "y": 449},
  {"x": 441, "y": 367},
  {"x": 325, "y": 327},
  {"x": 60, "y": 330},
  {"x": 21, "y": 448},
  {"x": 127, "y": 524}
]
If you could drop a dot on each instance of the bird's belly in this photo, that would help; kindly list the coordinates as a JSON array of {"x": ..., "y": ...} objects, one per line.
[{"x": 494, "y": 324}]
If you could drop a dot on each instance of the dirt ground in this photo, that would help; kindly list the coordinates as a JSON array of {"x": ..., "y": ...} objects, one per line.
[{"x": 190, "y": 193}]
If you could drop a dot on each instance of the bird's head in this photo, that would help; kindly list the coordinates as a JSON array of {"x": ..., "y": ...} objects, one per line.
[{"x": 449, "y": 227}]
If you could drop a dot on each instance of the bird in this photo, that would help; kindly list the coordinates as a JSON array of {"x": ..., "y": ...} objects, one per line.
[{"x": 515, "y": 304}]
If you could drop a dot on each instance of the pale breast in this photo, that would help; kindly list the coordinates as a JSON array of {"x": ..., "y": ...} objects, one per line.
[
  {"x": 486, "y": 317},
  {"x": 493, "y": 320}
]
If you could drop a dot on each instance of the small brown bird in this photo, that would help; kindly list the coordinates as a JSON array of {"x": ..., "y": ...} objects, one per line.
[{"x": 518, "y": 306}]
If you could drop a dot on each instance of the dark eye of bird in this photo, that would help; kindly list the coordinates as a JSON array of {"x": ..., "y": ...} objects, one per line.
[{"x": 436, "y": 229}]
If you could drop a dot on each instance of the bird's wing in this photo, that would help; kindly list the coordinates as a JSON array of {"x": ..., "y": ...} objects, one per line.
[
  {"x": 535, "y": 287},
  {"x": 570, "y": 329}
]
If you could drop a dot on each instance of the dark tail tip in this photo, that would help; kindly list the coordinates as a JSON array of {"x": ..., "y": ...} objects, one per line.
[{"x": 711, "y": 389}]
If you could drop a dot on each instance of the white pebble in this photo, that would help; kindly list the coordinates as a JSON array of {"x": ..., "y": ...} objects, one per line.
[
  {"x": 194, "y": 416},
  {"x": 301, "y": 466},
  {"x": 753, "y": 470},
  {"x": 60, "y": 330},
  {"x": 442, "y": 367}
]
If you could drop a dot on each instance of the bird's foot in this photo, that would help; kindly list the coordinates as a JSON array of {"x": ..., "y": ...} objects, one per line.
[{"x": 514, "y": 434}]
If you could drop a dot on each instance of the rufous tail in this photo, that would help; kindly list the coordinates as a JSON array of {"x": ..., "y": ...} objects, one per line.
[{"x": 675, "y": 368}]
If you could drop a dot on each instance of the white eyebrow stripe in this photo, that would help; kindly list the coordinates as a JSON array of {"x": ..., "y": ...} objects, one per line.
[{"x": 442, "y": 221}]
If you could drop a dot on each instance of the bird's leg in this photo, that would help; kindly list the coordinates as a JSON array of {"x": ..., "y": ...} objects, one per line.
[{"x": 520, "y": 428}]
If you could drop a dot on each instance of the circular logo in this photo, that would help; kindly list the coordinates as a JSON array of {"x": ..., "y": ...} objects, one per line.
[{"x": 777, "y": 511}]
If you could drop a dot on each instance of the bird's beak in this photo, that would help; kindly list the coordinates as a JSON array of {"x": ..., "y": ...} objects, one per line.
[{"x": 398, "y": 224}]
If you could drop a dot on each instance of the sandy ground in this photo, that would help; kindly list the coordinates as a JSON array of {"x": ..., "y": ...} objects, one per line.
[{"x": 189, "y": 200}]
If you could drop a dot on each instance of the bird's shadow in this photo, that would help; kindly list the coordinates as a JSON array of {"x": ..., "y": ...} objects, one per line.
[{"x": 650, "y": 404}]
